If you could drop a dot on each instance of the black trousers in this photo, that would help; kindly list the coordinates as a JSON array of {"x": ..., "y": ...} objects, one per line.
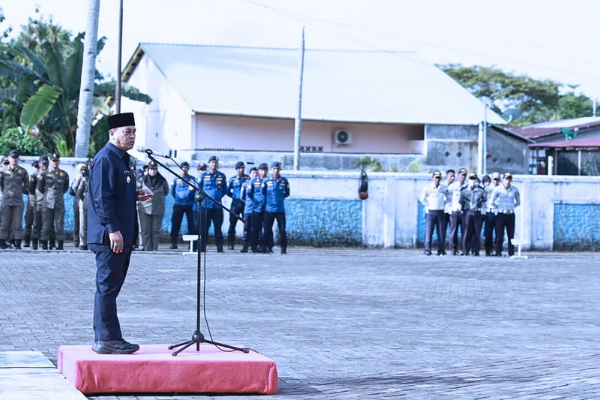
[
  {"x": 206, "y": 217},
  {"x": 488, "y": 232},
  {"x": 472, "y": 234},
  {"x": 270, "y": 218},
  {"x": 177, "y": 218},
  {"x": 456, "y": 223},
  {"x": 247, "y": 234},
  {"x": 237, "y": 207},
  {"x": 111, "y": 270},
  {"x": 435, "y": 220},
  {"x": 505, "y": 221},
  {"x": 257, "y": 236}
]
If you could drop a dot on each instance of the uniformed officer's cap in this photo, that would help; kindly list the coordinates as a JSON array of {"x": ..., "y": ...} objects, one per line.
[
  {"x": 253, "y": 169},
  {"x": 239, "y": 164},
  {"x": 263, "y": 166},
  {"x": 508, "y": 175},
  {"x": 486, "y": 178},
  {"x": 213, "y": 158},
  {"x": 436, "y": 174},
  {"x": 472, "y": 175},
  {"x": 275, "y": 164},
  {"x": 152, "y": 165},
  {"x": 5, "y": 160},
  {"x": 55, "y": 156},
  {"x": 462, "y": 171},
  {"x": 119, "y": 120},
  {"x": 202, "y": 167},
  {"x": 43, "y": 160},
  {"x": 14, "y": 153},
  {"x": 185, "y": 164},
  {"x": 496, "y": 175},
  {"x": 35, "y": 164}
]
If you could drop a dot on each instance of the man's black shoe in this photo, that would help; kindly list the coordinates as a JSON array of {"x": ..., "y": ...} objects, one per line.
[
  {"x": 173, "y": 246},
  {"x": 119, "y": 346},
  {"x": 427, "y": 252}
]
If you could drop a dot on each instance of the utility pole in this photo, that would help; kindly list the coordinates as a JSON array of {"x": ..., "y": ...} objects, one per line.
[{"x": 298, "y": 124}]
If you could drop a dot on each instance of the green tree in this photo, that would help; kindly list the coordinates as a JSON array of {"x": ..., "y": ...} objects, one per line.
[
  {"x": 539, "y": 100},
  {"x": 41, "y": 73}
]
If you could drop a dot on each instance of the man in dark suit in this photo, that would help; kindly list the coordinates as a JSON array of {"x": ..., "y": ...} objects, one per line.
[{"x": 112, "y": 229}]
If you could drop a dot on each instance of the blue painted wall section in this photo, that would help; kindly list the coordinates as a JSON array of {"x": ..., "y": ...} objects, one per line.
[
  {"x": 309, "y": 222},
  {"x": 577, "y": 227}
]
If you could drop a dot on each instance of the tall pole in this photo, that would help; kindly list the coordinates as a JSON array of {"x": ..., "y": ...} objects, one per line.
[
  {"x": 118, "y": 88},
  {"x": 298, "y": 124},
  {"x": 86, "y": 90}
]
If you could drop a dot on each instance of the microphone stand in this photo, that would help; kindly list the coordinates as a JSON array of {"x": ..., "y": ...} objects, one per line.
[{"x": 197, "y": 337}]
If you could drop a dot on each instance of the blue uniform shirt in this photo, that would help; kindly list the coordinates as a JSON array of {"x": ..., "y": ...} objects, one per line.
[
  {"x": 275, "y": 191},
  {"x": 112, "y": 197},
  {"x": 256, "y": 194},
  {"x": 215, "y": 185},
  {"x": 235, "y": 186},
  {"x": 182, "y": 192},
  {"x": 245, "y": 197}
]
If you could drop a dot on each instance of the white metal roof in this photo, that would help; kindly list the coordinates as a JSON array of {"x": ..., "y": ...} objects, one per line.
[{"x": 339, "y": 85}]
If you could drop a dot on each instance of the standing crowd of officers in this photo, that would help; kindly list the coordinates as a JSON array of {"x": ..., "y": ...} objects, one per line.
[
  {"x": 257, "y": 200},
  {"x": 44, "y": 216},
  {"x": 468, "y": 205}
]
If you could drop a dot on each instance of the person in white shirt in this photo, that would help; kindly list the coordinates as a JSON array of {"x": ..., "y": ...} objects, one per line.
[
  {"x": 434, "y": 198},
  {"x": 456, "y": 215},
  {"x": 506, "y": 198}
]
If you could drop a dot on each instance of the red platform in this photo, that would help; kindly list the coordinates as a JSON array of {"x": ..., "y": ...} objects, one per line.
[{"x": 153, "y": 369}]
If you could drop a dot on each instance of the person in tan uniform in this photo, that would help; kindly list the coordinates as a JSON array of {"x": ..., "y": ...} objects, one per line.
[
  {"x": 54, "y": 184},
  {"x": 14, "y": 182}
]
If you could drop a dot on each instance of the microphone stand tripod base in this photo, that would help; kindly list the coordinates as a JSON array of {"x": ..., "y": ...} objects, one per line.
[{"x": 198, "y": 338}]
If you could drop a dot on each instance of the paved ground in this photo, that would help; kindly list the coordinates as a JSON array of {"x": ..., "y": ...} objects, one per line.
[{"x": 340, "y": 323}]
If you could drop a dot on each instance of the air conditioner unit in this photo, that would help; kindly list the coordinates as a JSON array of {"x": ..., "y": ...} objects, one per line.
[{"x": 342, "y": 136}]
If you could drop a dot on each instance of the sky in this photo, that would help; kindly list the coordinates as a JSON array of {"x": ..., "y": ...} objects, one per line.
[{"x": 543, "y": 39}]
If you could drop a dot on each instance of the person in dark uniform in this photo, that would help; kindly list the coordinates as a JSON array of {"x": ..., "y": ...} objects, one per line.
[
  {"x": 30, "y": 210},
  {"x": 36, "y": 233},
  {"x": 214, "y": 183},
  {"x": 112, "y": 229},
  {"x": 237, "y": 205},
  {"x": 14, "y": 182},
  {"x": 472, "y": 201},
  {"x": 54, "y": 184},
  {"x": 276, "y": 189}
]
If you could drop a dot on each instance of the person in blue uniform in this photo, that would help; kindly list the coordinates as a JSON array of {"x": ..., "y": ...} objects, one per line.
[
  {"x": 276, "y": 189},
  {"x": 237, "y": 205},
  {"x": 214, "y": 183},
  {"x": 245, "y": 196},
  {"x": 112, "y": 229},
  {"x": 184, "y": 195},
  {"x": 255, "y": 193}
]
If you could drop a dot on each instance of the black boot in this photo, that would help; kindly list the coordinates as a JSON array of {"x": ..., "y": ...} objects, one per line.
[
  {"x": 231, "y": 244},
  {"x": 34, "y": 244},
  {"x": 13, "y": 243},
  {"x": 284, "y": 249},
  {"x": 173, "y": 245},
  {"x": 269, "y": 250},
  {"x": 52, "y": 244},
  {"x": 18, "y": 244},
  {"x": 245, "y": 248},
  {"x": 44, "y": 244},
  {"x": 60, "y": 245},
  {"x": 219, "y": 248},
  {"x": 3, "y": 244},
  {"x": 27, "y": 241}
]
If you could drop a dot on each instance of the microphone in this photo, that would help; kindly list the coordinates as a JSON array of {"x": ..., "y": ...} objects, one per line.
[{"x": 142, "y": 149}]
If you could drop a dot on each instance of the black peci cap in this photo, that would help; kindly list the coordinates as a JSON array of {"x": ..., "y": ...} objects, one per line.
[
  {"x": 119, "y": 120},
  {"x": 239, "y": 164}
]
